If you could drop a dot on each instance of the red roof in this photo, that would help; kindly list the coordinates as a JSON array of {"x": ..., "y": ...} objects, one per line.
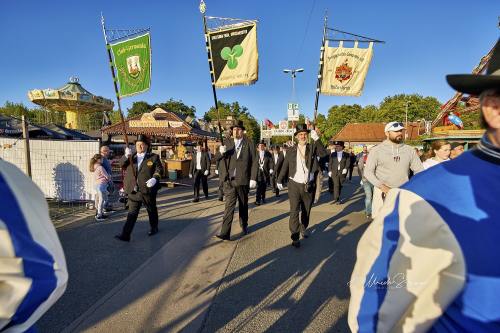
[{"x": 373, "y": 132}]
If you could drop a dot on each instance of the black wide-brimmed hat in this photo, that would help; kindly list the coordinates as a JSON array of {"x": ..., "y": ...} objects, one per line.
[
  {"x": 338, "y": 143},
  {"x": 143, "y": 138},
  {"x": 475, "y": 84},
  {"x": 239, "y": 124},
  {"x": 301, "y": 128}
]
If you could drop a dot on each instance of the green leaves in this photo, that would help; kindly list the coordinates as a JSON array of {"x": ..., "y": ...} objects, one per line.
[{"x": 230, "y": 55}]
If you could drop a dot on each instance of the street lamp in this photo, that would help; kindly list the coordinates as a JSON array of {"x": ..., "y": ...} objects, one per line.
[
  {"x": 406, "y": 116},
  {"x": 293, "y": 72}
]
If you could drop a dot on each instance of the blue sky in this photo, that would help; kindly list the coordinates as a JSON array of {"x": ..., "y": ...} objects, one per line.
[{"x": 46, "y": 42}]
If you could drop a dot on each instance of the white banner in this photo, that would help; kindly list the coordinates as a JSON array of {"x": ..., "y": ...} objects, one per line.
[{"x": 345, "y": 69}]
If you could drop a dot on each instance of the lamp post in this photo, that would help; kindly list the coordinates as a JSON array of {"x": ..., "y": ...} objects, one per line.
[
  {"x": 293, "y": 73},
  {"x": 406, "y": 121}
]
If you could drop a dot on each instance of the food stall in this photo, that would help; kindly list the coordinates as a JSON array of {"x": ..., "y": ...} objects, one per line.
[{"x": 171, "y": 135}]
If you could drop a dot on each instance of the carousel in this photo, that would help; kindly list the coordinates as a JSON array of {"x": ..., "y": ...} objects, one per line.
[{"x": 72, "y": 99}]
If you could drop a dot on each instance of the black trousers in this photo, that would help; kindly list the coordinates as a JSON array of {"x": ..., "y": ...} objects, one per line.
[
  {"x": 274, "y": 184},
  {"x": 260, "y": 194},
  {"x": 221, "y": 187},
  {"x": 200, "y": 177},
  {"x": 337, "y": 186},
  {"x": 350, "y": 172},
  {"x": 300, "y": 203},
  {"x": 330, "y": 185},
  {"x": 135, "y": 202},
  {"x": 234, "y": 193}
]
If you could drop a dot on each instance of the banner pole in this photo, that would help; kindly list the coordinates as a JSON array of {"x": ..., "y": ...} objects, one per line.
[
  {"x": 320, "y": 71},
  {"x": 108, "y": 48}
]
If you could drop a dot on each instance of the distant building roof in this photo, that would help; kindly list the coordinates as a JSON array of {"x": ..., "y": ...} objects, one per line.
[{"x": 373, "y": 132}]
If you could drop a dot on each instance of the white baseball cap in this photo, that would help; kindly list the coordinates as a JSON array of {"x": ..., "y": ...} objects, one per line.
[{"x": 394, "y": 126}]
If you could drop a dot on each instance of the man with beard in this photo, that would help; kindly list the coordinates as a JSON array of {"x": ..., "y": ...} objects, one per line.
[
  {"x": 199, "y": 168},
  {"x": 277, "y": 164},
  {"x": 301, "y": 168},
  {"x": 264, "y": 172},
  {"x": 238, "y": 154},
  {"x": 389, "y": 164}
]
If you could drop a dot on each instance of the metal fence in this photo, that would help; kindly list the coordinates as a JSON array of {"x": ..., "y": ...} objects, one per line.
[{"x": 59, "y": 168}]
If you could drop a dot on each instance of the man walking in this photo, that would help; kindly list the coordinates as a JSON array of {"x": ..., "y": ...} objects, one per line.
[
  {"x": 277, "y": 164},
  {"x": 239, "y": 155},
  {"x": 338, "y": 166},
  {"x": 367, "y": 186},
  {"x": 301, "y": 168},
  {"x": 264, "y": 172},
  {"x": 434, "y": 247},
  {"x": 199, "y": 168},
  {"x": 105, "y": 153},
  {"x": 389, "y": 164},
  {"x": 141, "y": 183}
]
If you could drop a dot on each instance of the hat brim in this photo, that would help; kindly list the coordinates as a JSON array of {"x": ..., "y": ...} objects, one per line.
[
  {"x": 473, "y": 84},
  {"x": 242, "y": 127},
  {"x": 304, "y": 130}
]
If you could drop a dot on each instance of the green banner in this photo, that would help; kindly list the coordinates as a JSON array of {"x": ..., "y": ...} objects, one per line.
[{"x": 132, "y": 60}]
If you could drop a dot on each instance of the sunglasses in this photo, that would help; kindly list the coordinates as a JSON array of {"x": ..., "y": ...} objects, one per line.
[{"x": 397, "y": 125}]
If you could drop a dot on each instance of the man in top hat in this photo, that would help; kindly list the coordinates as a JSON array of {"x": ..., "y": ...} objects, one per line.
[
  {"x": 199, "y": 168},
  {"x": 239, "y": 155},
  {"x": 301, "y": 168},
  {"x": 264, "y": 172},
  {"x": 141, "y": 183},
  {"x": 277, "y": 159},
  {"x": 390, "y": 164},
  {"x": 338, "y": 166},
  {"x": 440, "y": 233}
]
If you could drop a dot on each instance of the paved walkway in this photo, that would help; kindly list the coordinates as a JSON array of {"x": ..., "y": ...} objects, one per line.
[{"x": 183, "y": 279}]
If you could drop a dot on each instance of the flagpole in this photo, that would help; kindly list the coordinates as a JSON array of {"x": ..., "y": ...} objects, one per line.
[
  {"x": 108, "y": 48},
  {"x": 320, "y": 71}
]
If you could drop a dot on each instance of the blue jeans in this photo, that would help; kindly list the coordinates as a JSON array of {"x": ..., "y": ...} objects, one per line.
[{"x": 368, "y": 187}]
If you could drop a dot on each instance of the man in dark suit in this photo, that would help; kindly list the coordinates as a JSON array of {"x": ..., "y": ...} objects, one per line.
[
  {"x": 338, "y": 166},
  {"x": 239, "y": 154},
  {"x": 264, "y": 172},
  {"x": 219, "y": 170},
  {"x": 301, "y": 168},
  {"x": 199, "y": 168},
  {"x": 329, "y": 151},
  {"x": 277, "y": 161},
  {"x": 141, "y": 183}
]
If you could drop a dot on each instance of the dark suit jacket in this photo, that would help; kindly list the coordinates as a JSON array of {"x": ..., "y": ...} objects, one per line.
[
  {"x": 245, "y": 165},
  {"x": 264, "y": 174},
  {"x": 151, "y": 167},
  {"x": 276, "y": 166},
  {"x": 289, "y": 167},
  {"x": 205, "y": 162},
  {"x": 333, "y": 163}
]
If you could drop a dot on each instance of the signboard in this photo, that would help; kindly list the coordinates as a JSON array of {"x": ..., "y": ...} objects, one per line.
[
  {"x": 266, "y": 134},
  {"x": 293, "y": 111},
  {"x": 283, "y": 132},
  {"x": 283, "y": 124}
]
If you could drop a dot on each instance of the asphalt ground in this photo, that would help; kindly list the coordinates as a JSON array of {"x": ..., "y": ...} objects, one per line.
[{"x": 255, "y": 283}]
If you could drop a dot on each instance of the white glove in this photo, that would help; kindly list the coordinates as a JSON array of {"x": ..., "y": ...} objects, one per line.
[
  {"x": 190, "y": 176},
  {"x": 128, "y": 152},
  {"x": 314, "y": 135},
  {"x": 206, "y": 172},
  {"x": 344, "y": 171},
  {"x": 330, "y": 174},
  {"x": 271, "y": 171},
  {"x": 280, "y": 187},
  {"x": 222, "y": 149},
  {"x": 216, "y": 172},
  {"x": 253, "y": 183},
  {"x": 311, "y": 176},
  {"x": 151, "y": 182},
  {"x": 361, "y": 183}
]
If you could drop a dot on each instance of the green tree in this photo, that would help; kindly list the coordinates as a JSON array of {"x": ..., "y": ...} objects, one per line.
[
  {"x": 178, "y": 107},
  {"x": 393, "y": 108},
  {"x": 138, "y": 108}
]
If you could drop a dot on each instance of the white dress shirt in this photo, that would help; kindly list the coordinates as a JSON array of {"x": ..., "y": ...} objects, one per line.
[
  {"x": 339, "y": 158},
  {"x": 237, "y": 147},
  {"x": 302, "y": 173},
  {"x": 198, "y": 160},
  {"x": 140, "y": 158}
]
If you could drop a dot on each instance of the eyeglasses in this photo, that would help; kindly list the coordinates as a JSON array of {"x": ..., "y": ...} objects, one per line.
[{"x": 397, "y": 125}]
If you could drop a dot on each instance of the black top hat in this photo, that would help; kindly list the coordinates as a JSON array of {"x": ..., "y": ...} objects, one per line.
[
  {"x": 339, "y": 143},
  {"x": 262, "y": 142},
  {"x": 143, "y": 138},
  {"x": 475, "y": 84},
  {"x": 301, "y": 128},
  {"x": 239, "y": 124}
]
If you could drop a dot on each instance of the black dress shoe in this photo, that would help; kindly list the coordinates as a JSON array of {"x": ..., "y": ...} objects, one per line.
[
  {"x": 122, "y": 238},
  {"x": 222, "y": 237},
  {"x": 338, "y": 202},
  {"x": 257, "y": 203},
  {"x": 244, "y": 230},
  {"x": 296, "y": 243},
  {"x": 221, "y": 199},
  {"x": 263, "y": 201},
  {"x": 196, "y": 200},
  {"x": 153, "y": 232}
]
